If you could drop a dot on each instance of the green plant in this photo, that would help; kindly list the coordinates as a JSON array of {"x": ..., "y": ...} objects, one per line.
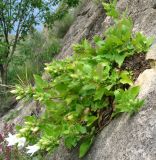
[{"x": 83, "y": 87}]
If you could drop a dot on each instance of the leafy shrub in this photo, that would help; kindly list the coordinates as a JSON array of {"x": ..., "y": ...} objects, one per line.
[{"x": 83, "y": 87}]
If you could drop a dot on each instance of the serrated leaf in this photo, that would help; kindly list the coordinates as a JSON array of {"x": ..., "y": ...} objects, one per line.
[
  {"x": 119, "y": 59},
  {"x": 111, "y": 9},
  {"x": 86, "y": 88},
  {"x": 126, "y": 101}
]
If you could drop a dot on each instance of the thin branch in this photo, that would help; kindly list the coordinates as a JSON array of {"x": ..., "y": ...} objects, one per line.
[
  {"x": 5, "y": 31},
  {"x": 19, "y": 9}
]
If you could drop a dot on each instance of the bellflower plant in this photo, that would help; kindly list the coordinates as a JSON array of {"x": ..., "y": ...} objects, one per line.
[{"x": 84, "y": 92}]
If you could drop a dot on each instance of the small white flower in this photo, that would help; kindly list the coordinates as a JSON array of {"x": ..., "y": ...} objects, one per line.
[
  {"x": 32, "y": 149},
  {"x": 12, "y": 139},
  {"x": 21, "y": 142}
]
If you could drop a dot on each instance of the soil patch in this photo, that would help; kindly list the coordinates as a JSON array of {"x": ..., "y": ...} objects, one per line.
[{"x": 137, "y": 64}]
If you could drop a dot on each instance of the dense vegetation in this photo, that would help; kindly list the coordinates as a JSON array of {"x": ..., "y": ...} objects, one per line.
[
  {"x": 18, "y": 18},
  {"x": 82, "y": 88}
]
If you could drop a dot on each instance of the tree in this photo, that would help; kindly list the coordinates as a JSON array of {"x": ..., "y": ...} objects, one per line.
[{"x": 17, "y": 19}]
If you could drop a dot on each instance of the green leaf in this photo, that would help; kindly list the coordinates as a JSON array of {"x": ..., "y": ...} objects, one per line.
[
  {"x": 61, "y": 87},
  {"x": 134, "y": 91},
  {"x": 141, "y": 43},
  {"x": 125, "y": 78},
  {"x": 50, "y": 104},
  {"x": 18, "y": 127},
  {"x": 39, "y": 82},
  {"x": 119, "y": 59},
  {"x": 90, "y": 120},
  {"x": 85, "y": 146},
  {"x": 99, "y": 93},
  {"x": 87, "y": 89},
  {"x": 71, "y": 141},
  {"x": 31, "y": 119},
  {"x": 87, "y": 68},
  {"x": 126, "y": 101},
  {"x": 81, "y": 129}
]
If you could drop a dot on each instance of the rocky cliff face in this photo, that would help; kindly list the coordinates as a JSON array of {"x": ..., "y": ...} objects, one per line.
[{"x": 89, "y": 22}]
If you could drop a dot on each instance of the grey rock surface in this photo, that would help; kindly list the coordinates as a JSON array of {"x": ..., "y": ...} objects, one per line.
[
  {"x": 16, "y": 115},
  {"x": 143, "y": 13}
]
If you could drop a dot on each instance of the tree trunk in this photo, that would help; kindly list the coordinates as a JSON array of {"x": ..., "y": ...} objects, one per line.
[{"x": 4, "y": 71}]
